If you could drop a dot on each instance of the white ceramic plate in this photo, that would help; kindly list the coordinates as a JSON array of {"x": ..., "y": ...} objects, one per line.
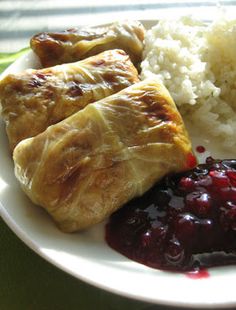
[{"x": 86, "y": 256}]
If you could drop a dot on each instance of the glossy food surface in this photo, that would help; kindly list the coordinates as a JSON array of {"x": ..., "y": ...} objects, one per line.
[
  {"x": 35, "y": 99},
  {"x": 54, "y": 48},
  {"x": 78, "y": 169},
  {"x": 185, "y": 222}
]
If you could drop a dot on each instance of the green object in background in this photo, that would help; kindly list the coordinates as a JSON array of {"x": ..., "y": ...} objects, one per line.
[
  {"x": 27, "y": 282},
  {"x": 7, "y": 58}
]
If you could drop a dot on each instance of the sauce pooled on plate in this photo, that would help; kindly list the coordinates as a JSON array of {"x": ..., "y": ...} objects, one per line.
[{"x": 186, "y": 222}]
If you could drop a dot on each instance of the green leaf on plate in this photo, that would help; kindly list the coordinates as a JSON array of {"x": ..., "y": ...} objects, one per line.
[{"x": 7, "y": 58}]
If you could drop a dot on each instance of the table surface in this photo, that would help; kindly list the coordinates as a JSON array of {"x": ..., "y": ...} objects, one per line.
[{"x": 26, "y": 280}]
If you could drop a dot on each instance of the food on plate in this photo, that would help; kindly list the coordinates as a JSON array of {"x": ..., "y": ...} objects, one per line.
[
  {"x": 131, "y": 149},
  {"x": 90, "y": 164},
  {"x": 185, "y": 222},
  {"x": 35, "y": 99},
  {"x": 75, "y": 44},
  {"x": 197, "y": 64}
]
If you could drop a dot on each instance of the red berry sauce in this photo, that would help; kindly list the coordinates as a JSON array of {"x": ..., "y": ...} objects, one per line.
[
  {"x": 186, "y": 222},
  {"x": 200, "y": 149},
  {"x": 198, "y": 274}
]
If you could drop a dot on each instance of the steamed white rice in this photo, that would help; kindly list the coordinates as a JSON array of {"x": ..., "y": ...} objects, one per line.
[{"x": 197, "y": 63}]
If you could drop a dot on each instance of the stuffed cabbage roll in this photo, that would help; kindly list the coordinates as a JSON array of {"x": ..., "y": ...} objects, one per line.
[
  {"x": 35, "y": 99},
  {"x": 75, "y": 44},
  {"x": 90, "y": 164}
]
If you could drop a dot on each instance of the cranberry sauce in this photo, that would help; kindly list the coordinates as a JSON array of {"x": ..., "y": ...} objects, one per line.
[
  {"x": 186, "y": 222},
  {"x": 200, "y": 149}
]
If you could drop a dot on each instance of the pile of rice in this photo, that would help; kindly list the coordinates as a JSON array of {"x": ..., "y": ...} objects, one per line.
[{"x": 197, "y": 63}]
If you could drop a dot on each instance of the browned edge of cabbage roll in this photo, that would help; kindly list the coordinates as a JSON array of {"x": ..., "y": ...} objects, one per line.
[
  {"x": 71, "y": 45},
  {"x": 35, "y": 99},
  {"x": 84, "y": 168}
]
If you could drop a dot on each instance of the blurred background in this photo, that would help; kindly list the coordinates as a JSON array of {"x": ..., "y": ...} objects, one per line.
[{"x": 19, "y": 20}]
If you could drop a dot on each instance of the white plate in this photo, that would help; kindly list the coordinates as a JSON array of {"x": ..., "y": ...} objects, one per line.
[{"x": 86, "y": 256}]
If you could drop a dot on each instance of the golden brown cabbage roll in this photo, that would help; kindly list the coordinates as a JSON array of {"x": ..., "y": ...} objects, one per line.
[
  {"x": 75, "y": 44},
  {"x": 87, "y": 166},
  {"x": 35, "y": 99}
]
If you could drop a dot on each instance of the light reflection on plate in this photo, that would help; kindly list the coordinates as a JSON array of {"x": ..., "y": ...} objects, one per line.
[{"x": 86, "y": 256}]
